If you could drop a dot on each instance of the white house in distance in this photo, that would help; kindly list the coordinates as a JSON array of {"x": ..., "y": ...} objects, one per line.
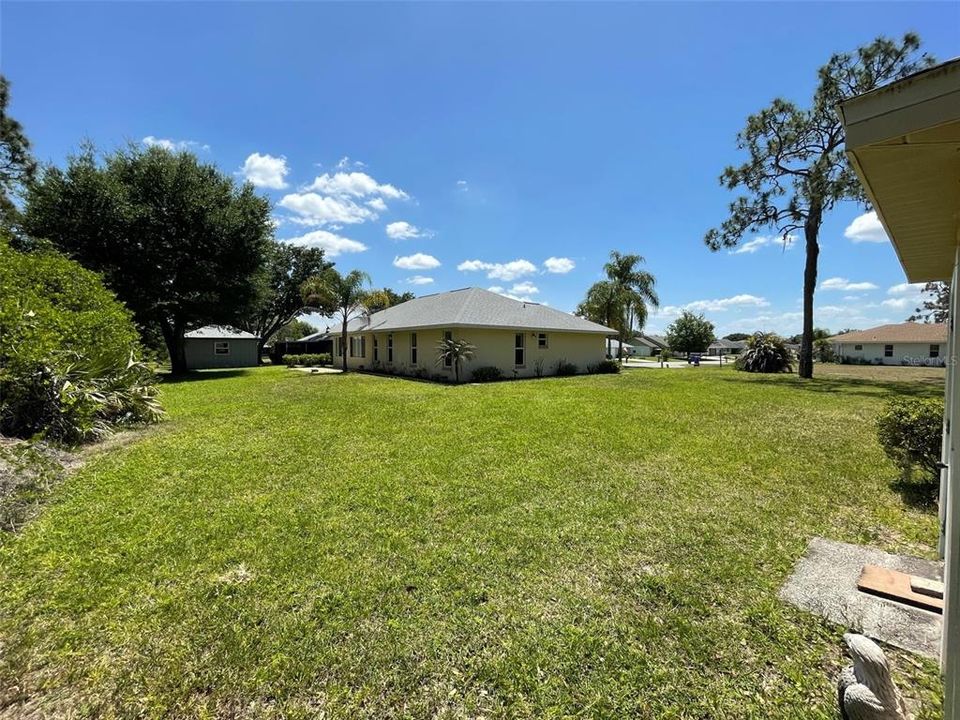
[
  {"x": 217, "y": 346},
  {"x": 520, "y": 338},
  {"x": 906, "y": 343}
]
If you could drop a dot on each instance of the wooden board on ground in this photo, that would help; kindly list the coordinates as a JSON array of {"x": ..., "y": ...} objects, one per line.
[{"x": 895, "y": 585}]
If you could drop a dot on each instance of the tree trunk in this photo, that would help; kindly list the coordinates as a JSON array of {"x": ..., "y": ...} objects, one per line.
[
  {"x": 343, "y": 341},
  {"x": 176, "y": 347},
  {"x": 811, "y": 231}
]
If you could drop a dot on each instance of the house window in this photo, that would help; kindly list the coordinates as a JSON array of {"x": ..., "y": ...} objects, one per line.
[
  {"x": 447, "y": 360},
  {"x": 390, "y": 348},
  {"x": 376, "y": 349},
  {"x": 543, "y": 342},
  {"x": 518, "y": 354},
  {"x": 221, "y": 347},
  {"x": 888, "y": 350},
  {"x": 858, "y": 347},
  {"x": 934, "y": 351},
  {"x": 363, "y": 346},
  {"x": 413, "y": 348},
  {"x": 358, "y": 347}
]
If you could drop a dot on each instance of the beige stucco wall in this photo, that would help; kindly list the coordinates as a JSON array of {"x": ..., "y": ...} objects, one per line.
[
  {"x": 903, "y": 353},
  {"x": 493, "y": 347}
]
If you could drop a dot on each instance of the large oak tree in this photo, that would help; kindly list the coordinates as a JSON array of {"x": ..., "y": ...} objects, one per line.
[
  {"x": 178, "y": 240},
  {"x": 796, "y": 170}
]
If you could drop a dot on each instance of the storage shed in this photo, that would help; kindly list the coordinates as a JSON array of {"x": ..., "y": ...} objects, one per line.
[{"x": 218, "y": 346}]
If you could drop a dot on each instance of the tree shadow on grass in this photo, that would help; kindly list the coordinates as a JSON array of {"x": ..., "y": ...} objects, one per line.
[
  {"x": 916, "y": 494},
  {"x": 194, "y": 375},
  {"x": 921, "y": 387}
]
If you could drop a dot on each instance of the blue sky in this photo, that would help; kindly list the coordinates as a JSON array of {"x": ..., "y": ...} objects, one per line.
[{"x": 506, "y": 146}]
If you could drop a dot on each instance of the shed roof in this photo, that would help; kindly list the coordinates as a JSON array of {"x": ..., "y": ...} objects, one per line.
[
  {"x": 220, "y": 332},
  {"x": 908, "y": 332},
  {"x": 474, "y": 307}
]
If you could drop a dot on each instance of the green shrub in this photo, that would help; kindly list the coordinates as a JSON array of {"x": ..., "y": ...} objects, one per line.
[
  {"x": 308, "y": 360},
  {"x": 823, "y": 351},
  {"x": 69, "y": 352},
  {"x": 765, "y": 353},
  {"x": 564, "y": 368},
  {"x": 488, "y": 373},
  {"x": 910, "y": 430},
  {"x": 605, "y": 367}
]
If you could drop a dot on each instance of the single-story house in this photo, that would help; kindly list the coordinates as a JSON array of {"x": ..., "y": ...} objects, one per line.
[
  {"x": 218, "y": 346},
  {"x": 907, "y": 343},
  {"x": 648, "y": 345},
  {"x": 520, "y": 338},
  {"x": 723, "y": 346},
  {"x": 613, "y": 349},
  {"x": 903, "y": 141}
]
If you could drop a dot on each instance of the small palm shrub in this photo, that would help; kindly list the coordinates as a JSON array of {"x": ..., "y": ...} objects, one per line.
[
  {"x": 69, "y": 352},
  {"x": 564, "y": 368},
  {"x": 488, "y": 373},
  {"x": 823, "y": 351},
  {"x": 456, "y": 352},
  {"x": 910, "y": 430},
  {"x": 765, "y": 353}
]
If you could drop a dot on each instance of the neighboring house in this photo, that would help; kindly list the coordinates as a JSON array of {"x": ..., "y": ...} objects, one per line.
[
  {"x": 648, "y": 345},
  {"x": 613, "y": 349},
  {"x": 217, "y": 346},
  {"x": 906, "y": 343},
  {"x": 726, "y": 347},
  {"x": 518, "y": 337},
  {"x": 902, "y": 140}
]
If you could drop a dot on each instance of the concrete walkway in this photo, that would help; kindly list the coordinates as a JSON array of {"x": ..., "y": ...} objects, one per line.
[{"x": 318, "y": 370}]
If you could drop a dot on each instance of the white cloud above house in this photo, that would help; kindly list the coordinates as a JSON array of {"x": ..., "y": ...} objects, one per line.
[
  {"x": 265, "y": 171},
  {"x": 354, "y": 184},
  {"x": 402, "y": 230},
  {"x": 559, "y": 265},
  {"x": 417, "y": 261},
  {"x": 331, "y": 243},
  {"x": 842, "y": 283},
  {"x": 866, "y": 228},
  {"x": 721, "y": 304},
  {"x": 904, "y": 296},
  {"x": 174, "y": 145},
  {"x": 316, "y": 210},
  {"x": 761, "y": 241},
  {"x": 420, "y": 280},
  {"x": 508, "y": 272},
  {"x": 524, "y": 288}
]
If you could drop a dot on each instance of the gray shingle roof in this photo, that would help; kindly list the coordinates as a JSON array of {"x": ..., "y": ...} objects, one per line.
[
  {"x": 474, "y": 307},
  {"x": 220, "y": 332}
]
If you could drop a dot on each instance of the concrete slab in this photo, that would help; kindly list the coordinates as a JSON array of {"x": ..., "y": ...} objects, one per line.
[
  {"x": 825, "y": 582},
  {"x": 318, "y": 370}
]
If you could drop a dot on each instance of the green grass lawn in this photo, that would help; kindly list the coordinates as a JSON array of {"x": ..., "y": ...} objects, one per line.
[{"x": 290, "y": 546}]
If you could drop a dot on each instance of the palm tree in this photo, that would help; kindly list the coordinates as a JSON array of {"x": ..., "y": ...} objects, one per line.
[
  {"x": 335, "y": 294},
  {"x": 634, "y": 290},
  {"x": 456, "y": 352}
]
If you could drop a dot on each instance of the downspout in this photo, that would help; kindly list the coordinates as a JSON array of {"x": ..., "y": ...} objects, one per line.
[{"x": 950, "y": 648}]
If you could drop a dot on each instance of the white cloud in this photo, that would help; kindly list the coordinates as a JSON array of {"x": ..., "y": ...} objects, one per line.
[
  {"x": 419, "y": 280},
  {"x": 905, "y": 296},
  {"x": 376, "y": 204},
  {"x": 752, "y": 246},
  {"x": 524, "y": 288},
  {"x": 345, "y": 162},
  {"x": 513, "y": 293},
  {"x": 559, "y": 265},
  {"x": 866, "y": 228},
  {"x": 402, "y": 230},
  {"x": 354, "y": 184},
  {"x": 720, "y": 304},
  {"x": 174, "y": 145},
  {"x": 265, "y": 171},
  {"x": 905, "y": 289},
  {"x": 331, "y": 243},
  {"x": 417, "y": 261},
  {"x": 313, "y": 209},
  {"x": 507, "y": 272},
  {"x": 462, "y": 185},
  {"x": 840, "y": 283}
]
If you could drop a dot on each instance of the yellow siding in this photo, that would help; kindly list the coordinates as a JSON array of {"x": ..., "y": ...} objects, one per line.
[{"x": 493, "y": 347}]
